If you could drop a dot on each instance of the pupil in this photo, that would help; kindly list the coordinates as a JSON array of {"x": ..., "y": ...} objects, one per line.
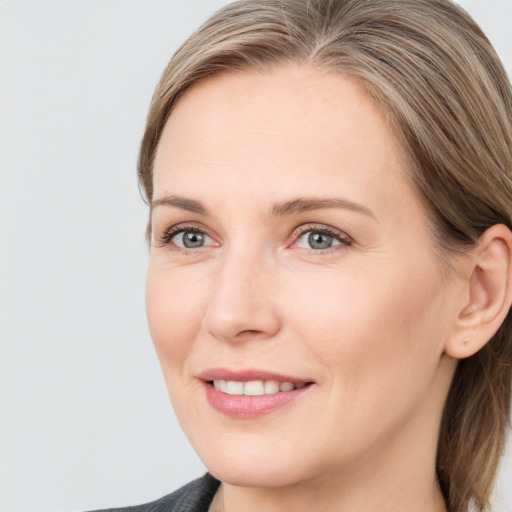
[
  {"x": 320, "y": 241},
  {"x": 191, "y": 239}
]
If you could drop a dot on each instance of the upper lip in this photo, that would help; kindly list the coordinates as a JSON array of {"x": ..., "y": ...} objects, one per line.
[{"x": 248, "y": 375}]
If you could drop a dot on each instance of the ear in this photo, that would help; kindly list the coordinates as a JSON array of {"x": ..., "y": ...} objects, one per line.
[{"x": 488, "y": 293}]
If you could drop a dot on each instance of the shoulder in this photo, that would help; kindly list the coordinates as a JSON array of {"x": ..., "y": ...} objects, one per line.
[{"x": 196, "y": 496}]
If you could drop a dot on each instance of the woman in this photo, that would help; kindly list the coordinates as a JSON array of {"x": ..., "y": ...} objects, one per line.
[{"x": 330, "y": 276}]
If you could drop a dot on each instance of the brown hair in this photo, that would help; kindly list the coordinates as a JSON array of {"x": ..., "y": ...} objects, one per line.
[{"x": 434, "y": 72}]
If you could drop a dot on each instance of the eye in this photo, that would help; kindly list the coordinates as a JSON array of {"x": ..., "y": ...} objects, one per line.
[
  {"x": 184, "y": 237},
  {"x": 191, "y": 239},
  {"x": 317, "y": 240},
  {"x": 320, "y": 238}
]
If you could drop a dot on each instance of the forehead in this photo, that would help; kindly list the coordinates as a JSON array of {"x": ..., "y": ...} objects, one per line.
[{"x": 291, "y": 122}]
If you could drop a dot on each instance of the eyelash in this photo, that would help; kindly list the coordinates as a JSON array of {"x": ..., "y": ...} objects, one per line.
[
  {"x": 343, "y": 239},
  {"x": 167, "y": 236}
]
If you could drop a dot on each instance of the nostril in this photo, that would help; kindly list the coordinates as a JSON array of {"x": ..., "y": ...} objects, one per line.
[{"x": 249, "y": 332}]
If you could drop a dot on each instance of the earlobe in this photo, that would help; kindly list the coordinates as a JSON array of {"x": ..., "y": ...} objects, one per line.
[{"x": 489, "y": 293}]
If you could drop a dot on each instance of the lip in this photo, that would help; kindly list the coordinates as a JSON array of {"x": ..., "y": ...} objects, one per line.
[
  {"x": 247, "y": 375},
  {"x": 249, "y": 407}
]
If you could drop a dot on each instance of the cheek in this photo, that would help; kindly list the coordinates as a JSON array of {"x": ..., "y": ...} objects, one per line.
[
  {"x": 174, "y": 309},
  {"x": 363, "y": 328},
  {"x": 376, "y": 346}
]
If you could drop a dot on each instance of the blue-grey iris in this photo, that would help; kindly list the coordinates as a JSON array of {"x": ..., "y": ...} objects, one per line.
[
  {"x": 320, "y": 240},
  {"x": 191, "y": 240}
]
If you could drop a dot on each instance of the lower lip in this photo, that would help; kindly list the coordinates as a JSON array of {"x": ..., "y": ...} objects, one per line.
[{"x": 249, "y": 407}]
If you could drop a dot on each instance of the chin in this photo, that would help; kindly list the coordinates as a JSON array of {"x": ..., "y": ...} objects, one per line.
[
  {"x": 247, "y": 461},
  {"x": 247, "y": 474}
]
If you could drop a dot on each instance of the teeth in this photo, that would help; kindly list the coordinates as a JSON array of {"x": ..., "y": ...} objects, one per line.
[
  {"x": 255, "y": 387},
  {"x": 271, "y": 387},
  {"x": 220, "y": 385},
  {"x": 286, "y": 386},
  {"x": 234, "y": 388}
]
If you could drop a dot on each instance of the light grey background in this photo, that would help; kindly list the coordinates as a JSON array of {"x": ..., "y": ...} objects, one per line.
[{"x": 85, "y": 420}]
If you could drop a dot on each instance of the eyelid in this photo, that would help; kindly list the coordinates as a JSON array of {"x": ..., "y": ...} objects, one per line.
[
  {"x": 341, "y": 236},
  {"x": 304, "y": 228},
  {"x": 165, "y": 239}
]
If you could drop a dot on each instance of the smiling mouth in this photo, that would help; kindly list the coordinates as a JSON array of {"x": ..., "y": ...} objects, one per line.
[
  {"x": 251, "y": 393},
  {"x": 255, "y": 387}
]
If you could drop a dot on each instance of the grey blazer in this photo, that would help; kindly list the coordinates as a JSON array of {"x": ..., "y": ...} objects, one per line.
[{"x": 196, "y": 496}]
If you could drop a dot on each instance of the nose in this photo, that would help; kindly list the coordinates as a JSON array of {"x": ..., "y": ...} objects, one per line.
[{"x": 242, "y": 305}]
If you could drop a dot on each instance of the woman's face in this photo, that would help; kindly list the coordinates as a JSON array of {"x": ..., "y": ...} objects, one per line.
[{"x": 288, "y": 246}]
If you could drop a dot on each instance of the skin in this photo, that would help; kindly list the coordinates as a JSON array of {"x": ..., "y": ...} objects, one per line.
[{"x": 367, "y": 320}]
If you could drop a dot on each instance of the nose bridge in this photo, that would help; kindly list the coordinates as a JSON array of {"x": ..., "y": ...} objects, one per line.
[{"x": 242, "y": 302}]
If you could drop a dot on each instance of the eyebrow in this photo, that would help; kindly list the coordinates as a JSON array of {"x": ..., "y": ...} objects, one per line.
[
  {"x": 300, "y": 205},
  {"x": 307, "y": 204},
  {"x": 181, "y": 202}
]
